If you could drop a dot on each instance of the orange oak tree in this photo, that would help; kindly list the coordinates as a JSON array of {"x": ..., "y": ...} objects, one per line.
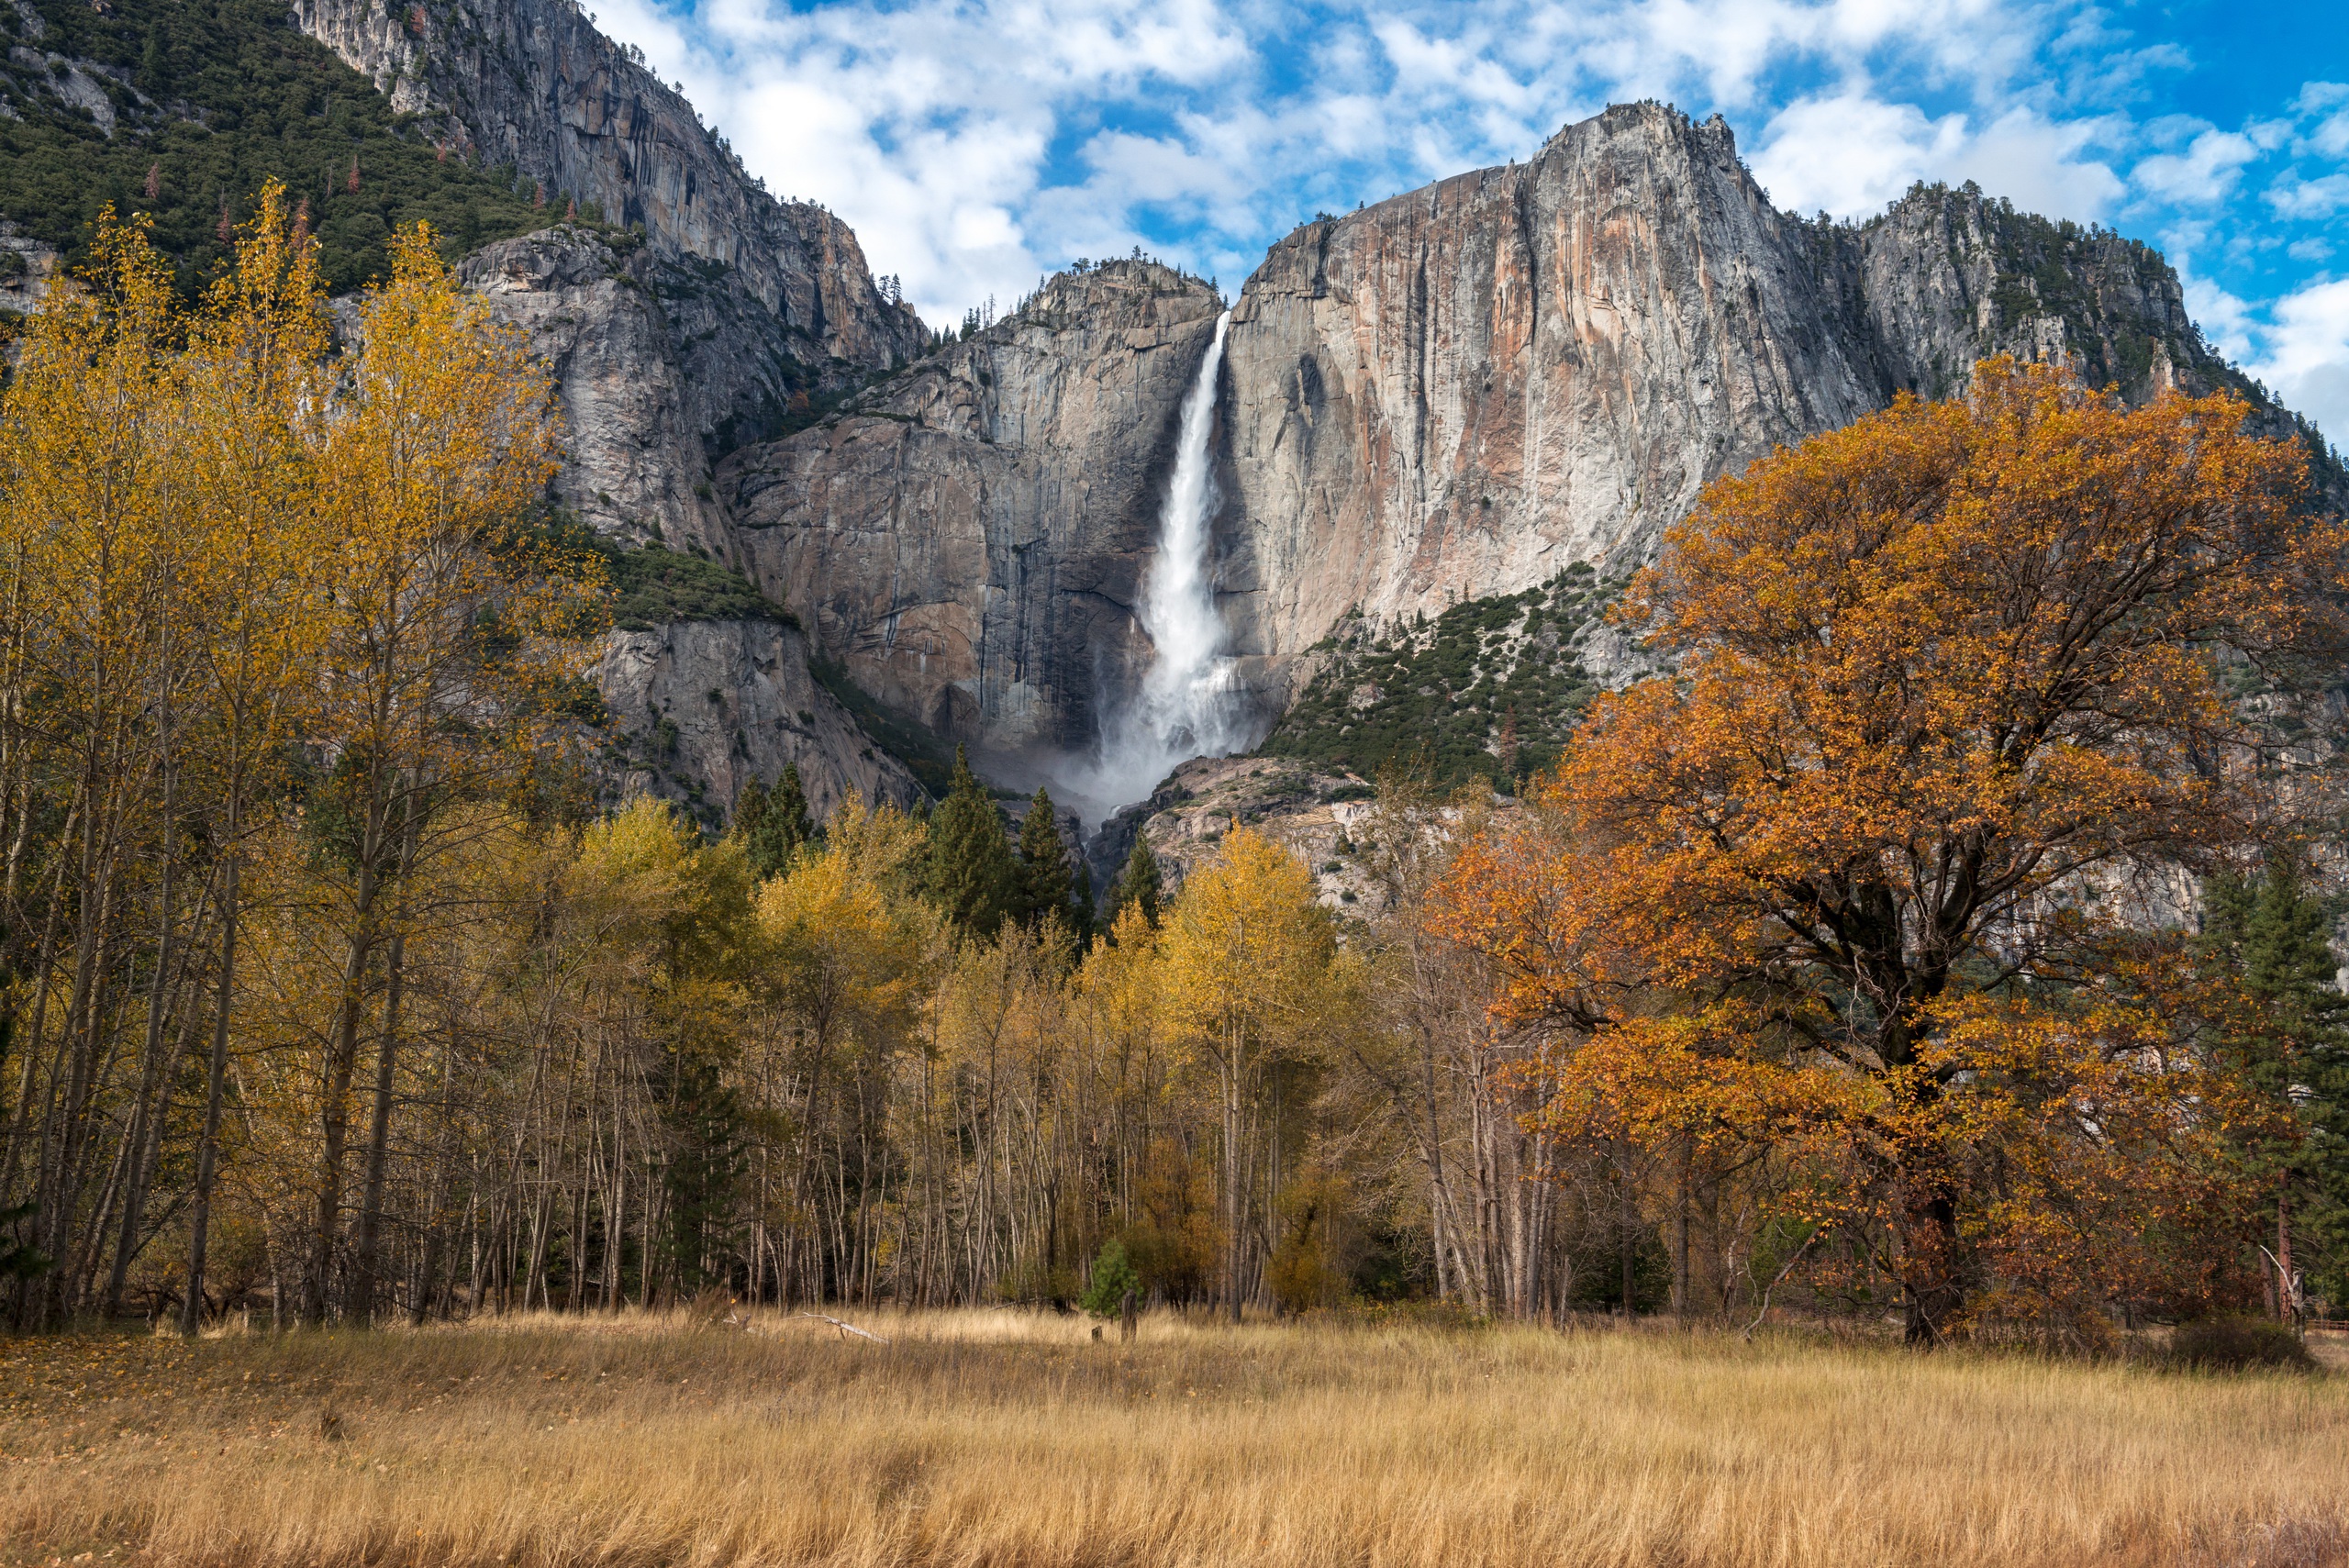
[{"x": 1947, "y": 720}]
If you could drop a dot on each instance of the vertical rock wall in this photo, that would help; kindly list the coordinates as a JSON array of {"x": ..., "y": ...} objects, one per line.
[
  {"x": 970, "y": 537},
  {"x": 532, "y": 83}
]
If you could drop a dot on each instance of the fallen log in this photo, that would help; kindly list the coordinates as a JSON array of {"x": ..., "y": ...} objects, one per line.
[{"x": 846, "y": 1328}]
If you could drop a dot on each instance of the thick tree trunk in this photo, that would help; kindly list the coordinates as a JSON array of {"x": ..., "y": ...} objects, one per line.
[{"x": 1931, "y": 1290}]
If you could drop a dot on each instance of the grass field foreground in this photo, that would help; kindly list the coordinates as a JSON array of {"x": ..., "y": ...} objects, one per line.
[{"x": 1011, "y": 1440}]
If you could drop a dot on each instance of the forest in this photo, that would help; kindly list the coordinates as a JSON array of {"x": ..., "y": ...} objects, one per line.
[{"x": 1944, "y": 944}]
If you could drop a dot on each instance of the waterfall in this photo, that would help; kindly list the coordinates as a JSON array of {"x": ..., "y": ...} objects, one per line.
[
  {"x": 1186, "y": 699},
  {"x": 1186, "y": 705}
]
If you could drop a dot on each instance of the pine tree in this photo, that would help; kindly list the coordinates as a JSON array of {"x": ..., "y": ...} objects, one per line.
[
  {"x": 785, "y": 827},
  {"x": 972, "y": 875},
  {"x": 1113, "y": 1276},
  {"x": 2274, "y": 933},
  {"x": 750, "y": 811},
  {"x": 1043, "y": 866},
  {"x": 1087, "y": 916},
  {"x": 1139, "y": 882},
  {"x": 772, "y": 824}
]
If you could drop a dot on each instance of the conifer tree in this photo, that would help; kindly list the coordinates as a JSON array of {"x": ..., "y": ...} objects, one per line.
[
  {"x": 972, "y": 875},
  {"x": 1044, "y": 882},
  {"x": 788, "y": 805},
  {"x": 1087, "y": 916},
  {"x": 1138, "y": 883},
  {"x": 750, "y": 812},
  {"x": 2273, "y": 931},
  {"x": 782, "y": 827}
]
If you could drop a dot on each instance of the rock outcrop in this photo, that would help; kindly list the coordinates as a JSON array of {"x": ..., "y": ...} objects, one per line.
[
  {"x": 968, "y": 539},
  {"x": 1455, "y": 392},
  {"x": 699, "y": 707},
  {"x": 688, "y": 313},
  {"x": 1449, "y": 395},
  {"x": 533, "y": 85}
]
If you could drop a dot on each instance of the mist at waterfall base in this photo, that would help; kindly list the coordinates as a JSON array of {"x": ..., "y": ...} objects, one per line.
[{"x": 1189, "y": 702}]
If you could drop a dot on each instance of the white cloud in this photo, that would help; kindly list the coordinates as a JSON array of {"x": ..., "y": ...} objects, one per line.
[
  {"x": 2204, "y": 173},
  {"x": 2293, "y": 196},
  {"x": 1853, "y": 154},
  {"x": 1850, "y": 155},
  {"x": 2307, "y": 355}
]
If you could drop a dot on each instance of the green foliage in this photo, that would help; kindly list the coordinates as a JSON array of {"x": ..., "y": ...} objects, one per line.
[
  {"x": 771, "y": 826},
  {"x": 1139, "y": 882},
  {"x": 1043, "y": 884},
  {"x": 209, "y": 101},
  {"x": 2239, "y": 1344},
  {"x": 19, "y": 1260},
  {"x": 1112, "y": 1277},
  {"x": 972, "y": 875},
  {"x": 2274, "y": 933},
  {"x": 1488, "y": 690},
  {"x": 655, "y": 585}
]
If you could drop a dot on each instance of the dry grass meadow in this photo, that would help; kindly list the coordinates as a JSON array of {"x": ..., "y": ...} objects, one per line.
[{"x": 1012, "y": 1439}]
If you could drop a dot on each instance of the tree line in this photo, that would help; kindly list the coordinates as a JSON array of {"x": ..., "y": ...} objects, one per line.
[{"x": 1945, "y": 940}]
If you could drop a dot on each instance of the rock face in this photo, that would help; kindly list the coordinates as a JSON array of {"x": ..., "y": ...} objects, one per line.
[
  {"x": 633, "y": 451},
  {"x": 700, "y": 313},
  {"x": 1453, "y": 394},
  {"x": 970, "y": 537},
  {"x": 532, "y": 83},
  {"x": 700, "y": 706}
]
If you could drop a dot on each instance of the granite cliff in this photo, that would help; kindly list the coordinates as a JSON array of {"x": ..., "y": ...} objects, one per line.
[
  {"x": 969, "y": 538},
  {"x": 687, "y": 312},
  {"x": 1451, "y": 395}
]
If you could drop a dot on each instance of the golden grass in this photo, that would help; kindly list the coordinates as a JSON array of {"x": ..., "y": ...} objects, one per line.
[{"x": 1010, "y": 1440}]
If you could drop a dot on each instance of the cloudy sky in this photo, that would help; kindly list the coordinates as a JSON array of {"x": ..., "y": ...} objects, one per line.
[{"x": 976, "y": 144}]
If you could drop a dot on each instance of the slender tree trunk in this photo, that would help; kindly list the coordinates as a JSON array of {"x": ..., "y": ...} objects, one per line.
[
  {"x": 342, "y": 1060},
  {"x": 368, "y": 1271},
  {"x": 368, "y": 1251},
  {"x": 207, "y": 1154}
]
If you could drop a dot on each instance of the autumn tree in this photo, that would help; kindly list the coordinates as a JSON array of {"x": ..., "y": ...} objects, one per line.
[
  {"x": 441, "y": 439},
  {"x": 91, "y": 452},
  {"x": 255, "y": 589},
  {"x": 1947, "y": 703},
  {"x": 1252, "y": 976}
]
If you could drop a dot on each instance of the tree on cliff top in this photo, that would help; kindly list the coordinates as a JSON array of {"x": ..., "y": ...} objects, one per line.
[{"x": 1947, "y": 677}]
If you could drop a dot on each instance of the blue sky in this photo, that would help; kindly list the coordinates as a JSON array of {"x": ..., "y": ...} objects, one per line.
[{"x": 975, "y": 144}]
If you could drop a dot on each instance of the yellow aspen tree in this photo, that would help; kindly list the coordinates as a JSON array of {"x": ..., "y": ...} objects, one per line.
[
  {"x": 87, "y": 468},
  {"x": 440, "y": 443},
  {"x": 258, "y": 388},
  {"x": 1248, "y": 960}
]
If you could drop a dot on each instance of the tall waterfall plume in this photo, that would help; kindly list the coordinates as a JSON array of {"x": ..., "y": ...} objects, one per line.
[{"x": 1188, "y": 706}]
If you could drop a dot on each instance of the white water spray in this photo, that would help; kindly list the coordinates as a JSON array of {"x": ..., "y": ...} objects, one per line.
[
  {"x": 1186, "y": 707},
  {"x": 1186, "y": 698}
]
